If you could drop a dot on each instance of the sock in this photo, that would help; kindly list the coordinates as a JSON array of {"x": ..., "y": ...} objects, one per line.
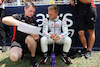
[
  {"x": 88, "y": 51},
  {"x": 45, "y": 54},
  {"x": 85, "y": 49},
  {"x": 33, "y": 60},
  {"x": 64, "y": 54}
]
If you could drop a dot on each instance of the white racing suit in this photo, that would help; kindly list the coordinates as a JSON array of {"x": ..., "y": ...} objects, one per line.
[{"x": 55, "y": 26}]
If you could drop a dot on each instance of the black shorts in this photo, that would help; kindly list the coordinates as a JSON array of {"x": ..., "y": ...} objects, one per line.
[
  {"x": 25, "y": 48},
  {"x": 23, "y": 45},
  {"x": 87, "y": 19}
]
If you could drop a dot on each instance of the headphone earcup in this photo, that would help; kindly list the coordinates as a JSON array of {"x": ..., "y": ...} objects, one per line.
[{"x": 26, "y": 19}]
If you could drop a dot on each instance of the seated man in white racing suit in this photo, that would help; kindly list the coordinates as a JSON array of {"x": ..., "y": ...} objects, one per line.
[{"x": 54, "y": 25}]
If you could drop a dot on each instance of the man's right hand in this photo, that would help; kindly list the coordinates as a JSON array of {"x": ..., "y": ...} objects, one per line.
[
  {"x": 56, "y": 38},
  {"x": 72, "y": 2},
  {"x": 53, "y": 36},
  {"x": 1, "y": 1},
  {"x": 35, "y": 36}
]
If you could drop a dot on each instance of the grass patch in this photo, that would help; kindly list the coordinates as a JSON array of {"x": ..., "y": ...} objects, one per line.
[{"x": 94, "y": 61}]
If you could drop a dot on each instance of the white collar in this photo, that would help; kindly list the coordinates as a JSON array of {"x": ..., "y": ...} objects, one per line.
[{"x": 56, "y": 19}]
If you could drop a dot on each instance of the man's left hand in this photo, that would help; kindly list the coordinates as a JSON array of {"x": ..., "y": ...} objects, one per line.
[{"x": 56, "y": 38}]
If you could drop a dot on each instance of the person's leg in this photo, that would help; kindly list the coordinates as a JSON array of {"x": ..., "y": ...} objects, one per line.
[
  {"x": 15, "y": 52},
  {"x": 44, "y": 47},
  {"x": 91, "y": 20},
  {"x": 83, "y": 41},
  {"x": 3, "y": 38},
  {"x": 2, "y": 31},
  {"x": 81, "y": 26},
  {"x": 44, "y": 44},
  {"x": 32, "y": 44},
  {"x": 67, "y": 44},
  {"x": 91, "y": 40},
  {"x": 66, "y": 47},
  {"x": 82, "y": 38}
]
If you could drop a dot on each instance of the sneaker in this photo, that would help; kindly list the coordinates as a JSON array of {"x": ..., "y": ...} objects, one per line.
[
  {"x": 4, "y": 48},
  {"x": 44, "y": 60},
  {"x": 83, "y": 51},
  {"x": 88, "y": 55},
  {"x": 35, "y": 65},
  {"x": 66, "y": 60},
  {"x": 34, "y": 62}
]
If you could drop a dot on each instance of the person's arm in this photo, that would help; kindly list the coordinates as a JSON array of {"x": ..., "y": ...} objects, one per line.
[
  {"x": 9, "y": 20},
  {"x": 45, "y": 28},
  {"x": 64, "y": 29},
  {"x": 85, "y": 1},
  {"x": 1, "y": 1}
]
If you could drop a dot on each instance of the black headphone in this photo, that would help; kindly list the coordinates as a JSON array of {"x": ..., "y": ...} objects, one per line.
[{"x": 28, "y": 20}]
